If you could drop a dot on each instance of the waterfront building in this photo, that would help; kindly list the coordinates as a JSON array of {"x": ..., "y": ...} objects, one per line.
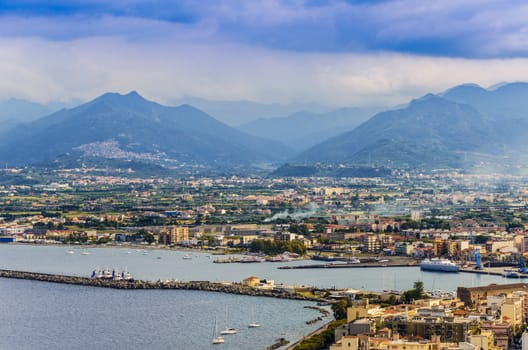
[
  {"x": 173, "y": 234},
  {"x": 472, "y": 296},
  {"x": 251, "y": 281}
]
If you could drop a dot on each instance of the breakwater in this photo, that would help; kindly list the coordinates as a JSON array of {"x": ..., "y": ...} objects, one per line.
[
  {"x": 230, "y": 288},
  {"x": 345, "y": 266}
]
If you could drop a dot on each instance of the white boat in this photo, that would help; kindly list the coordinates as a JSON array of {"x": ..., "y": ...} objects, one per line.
[
  {"x": 125, "y": 275},
  {"x": 440, "y": 265},
  {"x": 97, "y": 273},
  {"x": 70, "y": 251},
  {"x": 217, "y": 339},
  {"x": 253, "y": 324},
  {"x": 187, "y": 257},
  {"x": 85, "y": 252},
  {"x": 107, "y": 273},
  {"x": 280, "y": 258},
  {"x": 228, "y": 330},
  {"x": 251, "y": 259},
  {"x": 116, "y": 275}
]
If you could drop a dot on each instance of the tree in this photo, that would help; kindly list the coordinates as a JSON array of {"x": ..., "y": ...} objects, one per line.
[
  {"x": 413, "y": 294},
  {"x": 340, "y": 308},
  {"x": 419, "y": 287}
]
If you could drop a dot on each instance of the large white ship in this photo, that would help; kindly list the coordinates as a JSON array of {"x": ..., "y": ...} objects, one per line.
[{"x": 441, "y": 265}]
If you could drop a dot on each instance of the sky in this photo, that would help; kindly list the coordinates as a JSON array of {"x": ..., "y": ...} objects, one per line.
[{"x": 334, "y": 53}]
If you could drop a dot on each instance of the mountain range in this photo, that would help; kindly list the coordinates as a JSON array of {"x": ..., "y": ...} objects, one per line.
[
  {"x": 303, "y": 130},
  {"x": 235, "y": 113},
  {"x": 464, "y": 127},
  {"x": 16, "y": 111},
  {"x": 131, "y": 127}
]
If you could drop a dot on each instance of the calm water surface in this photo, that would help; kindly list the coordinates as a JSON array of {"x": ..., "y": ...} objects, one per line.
[
  {"x": 169, "y": 264},
  {"x": 38, "y": 315}
]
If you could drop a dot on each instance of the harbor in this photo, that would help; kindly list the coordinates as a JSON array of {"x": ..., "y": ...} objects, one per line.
[{"x": 55, "y": 260}]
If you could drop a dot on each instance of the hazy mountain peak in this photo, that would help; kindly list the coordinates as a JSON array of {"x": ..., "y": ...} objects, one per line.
[{"x": 128, "y": 126}]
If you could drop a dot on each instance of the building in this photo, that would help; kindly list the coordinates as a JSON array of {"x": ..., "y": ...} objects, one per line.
[
  {"x": 477, "y": 295},
  {"x": 512, "y": 311},
  {"x": 502, "y": 332},
  {"x": 173, "y": 235},
  {"x": 449, "y": 329},
  {"x": 251, "y": 281}
]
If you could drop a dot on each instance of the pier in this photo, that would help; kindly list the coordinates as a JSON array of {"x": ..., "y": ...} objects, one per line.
[
  {"x": 337, "y": 265},
  {"x": 496, "y": 271},
  {"x": 230, "y": 288}
]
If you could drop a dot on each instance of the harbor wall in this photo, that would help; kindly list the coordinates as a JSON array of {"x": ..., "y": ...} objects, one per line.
[{"x": 230, "y": 288}]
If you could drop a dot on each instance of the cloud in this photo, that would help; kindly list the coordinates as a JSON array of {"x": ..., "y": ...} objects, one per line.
[
  {"x": 336, "y": 52},
  {"x": 471, "y": 28},
  {"x": 43, "y": 70}
]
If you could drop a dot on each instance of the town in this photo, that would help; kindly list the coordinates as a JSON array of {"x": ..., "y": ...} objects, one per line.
[{"x": 476, "y": 221}]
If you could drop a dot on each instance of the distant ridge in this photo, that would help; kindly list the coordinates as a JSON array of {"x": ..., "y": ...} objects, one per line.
[
  {"x": 131, "y": 127},
  {"x": 430, "y": 132}
]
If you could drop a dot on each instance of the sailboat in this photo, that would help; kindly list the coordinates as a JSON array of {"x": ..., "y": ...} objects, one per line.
[
  {"x": 228, "y": 329},
  {"x": 217, "y": 339},
  {"x": 253, "y": 323}
]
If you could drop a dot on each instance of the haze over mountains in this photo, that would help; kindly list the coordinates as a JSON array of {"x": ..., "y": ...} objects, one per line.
[
  {"x": 302, "y": 130},
  {"x": 16, "y": 111},
  {"x": 236, "y": 113},
  {"x": 130, "y": 127},
  {"x": 465, "y": 127}
]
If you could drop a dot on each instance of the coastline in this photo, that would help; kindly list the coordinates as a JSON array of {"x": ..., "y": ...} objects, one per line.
[{"x": 308, "y": 335}]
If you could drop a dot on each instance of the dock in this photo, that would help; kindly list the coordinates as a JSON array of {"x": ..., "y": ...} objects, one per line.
[
  {"x": 348, "y": 265},
  {"x": 495, "y": 271}
]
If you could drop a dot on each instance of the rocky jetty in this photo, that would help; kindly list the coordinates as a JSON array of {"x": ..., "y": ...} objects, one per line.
[{"x": 231, "y": 288}]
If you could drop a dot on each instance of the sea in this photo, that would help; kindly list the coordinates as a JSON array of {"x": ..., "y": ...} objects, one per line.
[{"x": 40, "y": 315}]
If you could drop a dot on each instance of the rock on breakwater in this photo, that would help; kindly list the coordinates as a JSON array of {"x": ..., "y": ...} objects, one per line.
[{"x": 231, "y": 288}]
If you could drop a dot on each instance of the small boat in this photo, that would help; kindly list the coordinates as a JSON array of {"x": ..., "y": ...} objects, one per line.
[
  {"x": 116, "y": 275},
  {"x": 107, "y": 273},
  {"x": 228, "y": 330},
  {"x": 125, "y": 275},
  {"x": 217, "y": 339},
  {"x": 97, "y": 273},
  {"x": 85, "y": 252},
  {"x": 251, "y": 259},
  {"x": 253, "y": 324},
  {"x": 70, "y": 251},
  {"x": 187, "y": 257}
]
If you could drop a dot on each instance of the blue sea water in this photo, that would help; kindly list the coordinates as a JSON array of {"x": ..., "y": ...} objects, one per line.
[
  {"x": 168, "y": 264},
  {"x": 41, "y": 315}
]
